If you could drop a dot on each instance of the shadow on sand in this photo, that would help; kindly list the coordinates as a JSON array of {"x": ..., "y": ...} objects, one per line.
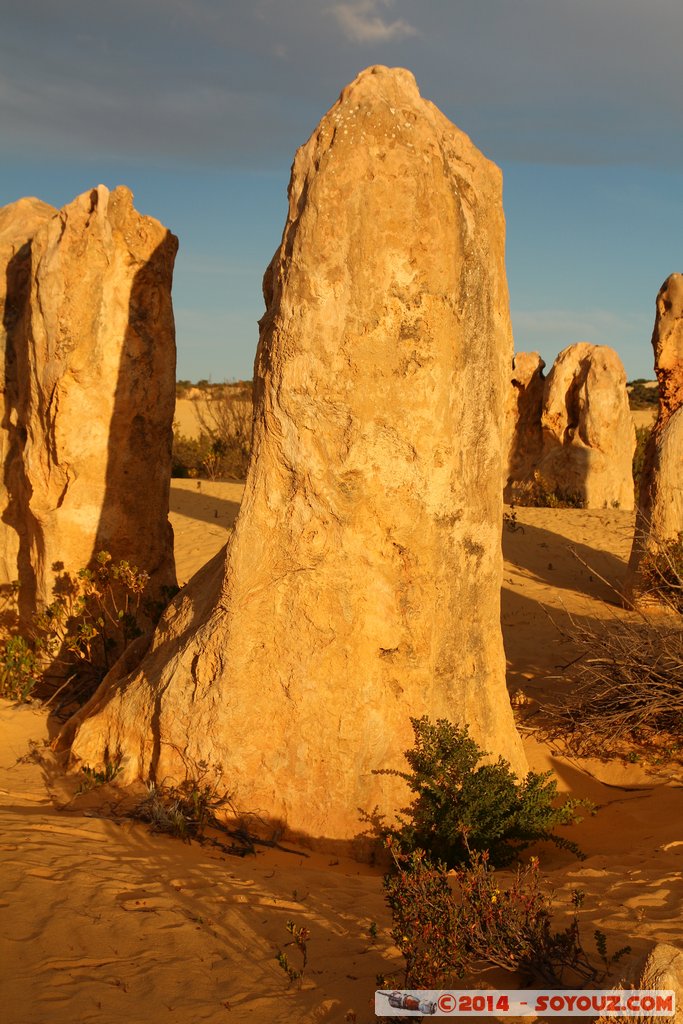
[{"x": 202, "y": 506}]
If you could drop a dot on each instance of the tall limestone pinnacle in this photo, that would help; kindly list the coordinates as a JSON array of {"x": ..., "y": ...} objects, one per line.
[
  {"x": 361, "y": 585},
  {"x": 659, "y": 516},
  {"x": 18, "y": 224},
  {"x": 91, "y": 400}
]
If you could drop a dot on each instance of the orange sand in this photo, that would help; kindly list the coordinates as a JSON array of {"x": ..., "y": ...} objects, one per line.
[{"x": 105, "y": 922}]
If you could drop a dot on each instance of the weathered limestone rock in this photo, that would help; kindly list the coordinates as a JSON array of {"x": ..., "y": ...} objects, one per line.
[
  {"x": 98, "y": 393},
  {"x": 660, "y": 513},
  {"x": 663, "y": 969},
  {"x": 18, "y": 224},
  {"x": 660, "y": 503},
  {"x": 525, "y": 434},
  {"x": 667, "y": 342},
  {"x": 588, "y": 432},
  {"x": 362, "y": 582},
  {"x": 659, "y": 969}
]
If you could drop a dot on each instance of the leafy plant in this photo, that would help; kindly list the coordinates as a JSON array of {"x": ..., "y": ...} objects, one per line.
[
  {"x": 19, "y": 668},
  {"x": 642, "y": 397},
  {"x": 95, "y": 615},
  {"x": 300, "y": 937},
  {"x": 93, "y": 777},
  {"x": 445, "y": 930},
  {"x": 462, "y": 805},
  {"x": 223, "y": 448}
]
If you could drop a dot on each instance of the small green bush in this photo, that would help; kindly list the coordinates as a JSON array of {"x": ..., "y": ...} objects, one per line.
[
  {"x": 210, "y": 458},
  {"x": 463, "y": 806},
  {"x": 95, "y": 614},
  {"x": 188, "y": 455},
  {"x": 19, "y": 668}
]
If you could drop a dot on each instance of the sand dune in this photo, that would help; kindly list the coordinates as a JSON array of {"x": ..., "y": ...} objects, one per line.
[{"x": 104, "y": 921}]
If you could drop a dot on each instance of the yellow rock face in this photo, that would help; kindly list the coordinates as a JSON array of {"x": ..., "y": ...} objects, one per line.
[
  {"x": 588, "y": 432},
  {"x": 660, "y": 504},
  {"x": 362, "y": 582},
  {"x": 18, "y": 224},
  {"x": 95, "y": 369}
]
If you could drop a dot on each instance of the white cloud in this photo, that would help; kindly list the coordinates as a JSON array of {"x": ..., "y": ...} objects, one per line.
[{"x": 361, "y": 22}]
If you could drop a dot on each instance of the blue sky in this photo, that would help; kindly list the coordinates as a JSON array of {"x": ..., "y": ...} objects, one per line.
[{"x": 199, "y": 105}]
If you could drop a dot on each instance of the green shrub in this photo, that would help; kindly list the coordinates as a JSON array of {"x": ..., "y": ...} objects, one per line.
[
  {"x": 93, "y": 777},
  {"x": 223, "y": 449},
  {"x": 188, "y": 455},
  {"x": 463, "y": 806},
  {"x": 446, "y": 926},
  {"x": 19, "y": 668},
  {"x": 211, "y": 457},
  {"x": 95, "y": 615}
]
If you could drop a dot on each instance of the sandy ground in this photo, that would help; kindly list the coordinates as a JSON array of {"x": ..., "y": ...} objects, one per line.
[
  {"x": 187, "y": 419},
  {"x": 105, "y": 922},
  {"x": 202, "y": 515}
]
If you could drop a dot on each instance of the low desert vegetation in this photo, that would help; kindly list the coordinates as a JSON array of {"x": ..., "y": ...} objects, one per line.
[
  {"x": 223, "y": 449},
  {"x": 626, "y": 685},
  {"x": 194, "y": 810},
  {"x": 629, "y": 688},
  {"x": 448, "y": 924},
  {"x": 300, "y": 936},
  {"x": 71, "y": 645},
  {"x": 452, "y": 914},
  {"x": 539, "y": 493},
  {"x": 642, "y": 394},
  {"x": 200, "y": 809},
  {"x": 661, "y": 574},
  {"x": 464, "y": 807}
]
